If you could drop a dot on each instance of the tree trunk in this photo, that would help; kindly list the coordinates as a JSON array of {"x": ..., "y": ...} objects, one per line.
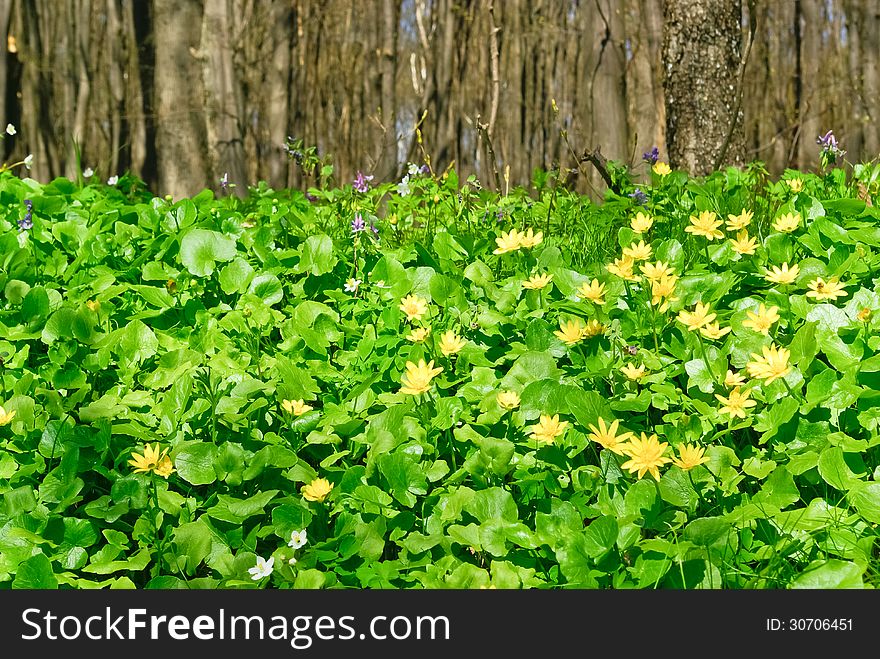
[
  {"x": 702, "y": 40},
  {"x": 179, "y": 96}
]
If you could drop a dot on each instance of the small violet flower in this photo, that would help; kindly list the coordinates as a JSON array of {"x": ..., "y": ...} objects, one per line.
[
  {"x": 358, "y": 224},
  {"x": 639, "y": 197},
  {"x": 27, "y": 222},
  {"x": 361, "y": 182},
  {"x": 651, "y": 156}
]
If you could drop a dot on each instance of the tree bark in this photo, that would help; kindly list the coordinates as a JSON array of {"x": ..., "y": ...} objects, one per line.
[
  {"x": 179, "y": 95},
  {"x": 702, "y": 44}
]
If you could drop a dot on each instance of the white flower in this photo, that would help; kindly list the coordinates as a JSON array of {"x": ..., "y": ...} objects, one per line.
[
  {"x": 113, "y": 180},
  {"x": 88, "y": 172},
  {"x": 297, "y": 539},
  {"x": 291, "y": 560},
  {"x": 10, "y": 129},
  {"x": 403, "y": 187},
  {"x": 263, "y": 568},
  {"x": 29, "y": 160},
  {"x": 413, "y": 170},
  {"x": 352, "y": 284}
]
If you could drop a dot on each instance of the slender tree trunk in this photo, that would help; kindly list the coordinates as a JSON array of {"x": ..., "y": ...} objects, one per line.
[
  {"x": 701, "y": 54},
  {"x": 180, "y": 128}
]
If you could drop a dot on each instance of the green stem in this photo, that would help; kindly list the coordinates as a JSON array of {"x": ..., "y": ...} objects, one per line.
[
  {"x": 706, "y": 359},
  {"x": 154, "y": 519}
]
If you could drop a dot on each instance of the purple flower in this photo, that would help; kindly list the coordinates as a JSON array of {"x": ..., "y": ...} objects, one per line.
[
  {"x": 830, "y": 148},
  {"x": 374, "y": 229},
  {"x": 361, "y": 182},
  {"x": 639, "y": 197},
  {"x": 358, "y": 224},
  {"x": 311, "y": 197},
  {"x": 632, "y": 350},
  {"x": 27, "y": 222},
  {"x": 651, "y": 156},
  {"x": 224, "y": 181}
]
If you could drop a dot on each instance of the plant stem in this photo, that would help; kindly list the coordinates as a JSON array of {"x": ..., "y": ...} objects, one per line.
[{"x": 706, "y": 359}]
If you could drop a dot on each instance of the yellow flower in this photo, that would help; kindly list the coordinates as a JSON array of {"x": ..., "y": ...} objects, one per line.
[
  {"x": 736, "y": 403},
  {"x": 623, "y": 268},
  {"x": 509, "y": 241},
  {"x": 783, "y": 275},
  {"x": 317, "y": 490},
  {"x": 663, "y": 291},
  {"x": 713, "y": 331},
  {"x": 864, "y": 315},
  {"x": 646, "y": 456},
  {"x": 788, "y": 222},
  {"x": 593, "y": 328},
  {"x": 592, "y": 291},
  {"x": 608, "y": 438},
  {"x": 451, "y": 343},
  {"x": 417, "y": 379},
  {"x": 825, "y": 290},
  {"x": 697, "y": 318},
  {"x": 690, "y": 455},
  {"x": 165, "y": 467},
  {"x": 705, "y": 225},
  {"x": 738, "y": 222},
  {"x": 661, "y": 168},
  {"x": 733, "y": 379},
  {"x": 149, "y": 460},
  {"x": 641, "y": 222},
  {"x": 414, "y": 307},
  {"x": 508, "y": 400},
  {"x": 743, "y": 243},
  {"x": 296, "y": 407},
  {"x": 548, "y": 428},
  {"x": 6, "y": 417},
  {"x": 795, "y": 184},
  {"x": 531, "y": 239},
  {"x": 762, "y": 320},
  {"x": 656, "y": 271},
  {"x": 419, "y": 334},
  {"x": 771, "y": 365},
  {"x": 638, "y": 251},
  {"x": 93, "y": 305},
  {"x": 570, "y": 332},
  {"x": 634, "y": 372},
  {"x": 537, "y": 282}
]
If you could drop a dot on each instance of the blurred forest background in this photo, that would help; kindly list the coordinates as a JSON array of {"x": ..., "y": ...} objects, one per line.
[{"x": 180, "y": 92}]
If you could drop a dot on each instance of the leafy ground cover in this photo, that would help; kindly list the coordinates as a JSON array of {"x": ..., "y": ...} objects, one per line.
[{"x": 426, "y": 385}]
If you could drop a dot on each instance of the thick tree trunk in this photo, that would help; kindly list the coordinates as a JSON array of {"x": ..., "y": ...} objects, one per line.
[
  {"x": 179, "y": 96},
  {"x": 701, "y": 56}
]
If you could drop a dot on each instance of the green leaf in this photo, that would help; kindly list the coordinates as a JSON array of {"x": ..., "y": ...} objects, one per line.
[
  {"x": 405, "y": 477},
  {"x": 35, "y": 573},
  {"x": 779, "y": 490},
  {"x": 137, "y": 342},
  {"x": 290, "y": 516},
  {"x": 865, "y": 497},
  {"x": 317, "y": 255},
  {"x": 195, "y": 463},
  {"x": 493, "y": 503},
  {"x": 831, "y": 574},
  {"x": 600, "y": 536},
  {"x": 200, "y": 249},
  {"x": 235, "y": 511},
  {"x": 834, "y": 470},
  {"x": 267, "y": 287},
  {"x": 530, "y": 367},
  {"x": 235, "y": 277}
]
